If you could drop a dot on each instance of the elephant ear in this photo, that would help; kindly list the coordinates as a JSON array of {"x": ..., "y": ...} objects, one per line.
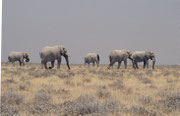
[
  {"x": 25, "y": 54},
  {"x": 149, "y": 52},
  {"x": 64, "y": 50},
  {"x": 129, "y": 53},
  {"x": 152, "y": 54}
]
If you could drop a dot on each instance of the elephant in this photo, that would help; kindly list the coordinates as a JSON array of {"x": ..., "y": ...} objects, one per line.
[
  {"x": 143, "y": 56},
  {"x": 92, "y": 58},
  {"x": 18, "y": 56},
  {"x": 119, "y": 56},
  {"x": 52, "y": 53}
]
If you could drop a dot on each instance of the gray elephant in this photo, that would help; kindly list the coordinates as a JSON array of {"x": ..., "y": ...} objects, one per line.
[
  {"x": 143, "y": 56},
  {"x": 18, "y": 56},
  {"x": 119, "y": 56},
  {"x": 50, "y": 54},
  {"x": 92, "y": 58}
]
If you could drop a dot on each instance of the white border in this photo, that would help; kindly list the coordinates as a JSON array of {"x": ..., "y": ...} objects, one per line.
[{"x": 1, "y": 38}]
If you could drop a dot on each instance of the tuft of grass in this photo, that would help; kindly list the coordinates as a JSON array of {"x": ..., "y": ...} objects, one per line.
[
  {"x": 42, "y": 104},
  {"x": 171, "y": 103},
  {"x": 103, "y": 93},
  {"x": 146, "y": 100},
  {"x": 42, "y": 97},
  {"x": 144, "y": 80},
  {"x": 140, "y": 111},
  {"x": 86, "y": 104},
  {"x": 9, "y": 110},
  {"x": 10, "y": 80},
  {"x": 117, "y": 85},
  {"x": 12, "y": 98}
]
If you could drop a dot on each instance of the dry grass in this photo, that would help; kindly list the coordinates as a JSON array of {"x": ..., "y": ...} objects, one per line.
[{"x": 30, "y": 90}]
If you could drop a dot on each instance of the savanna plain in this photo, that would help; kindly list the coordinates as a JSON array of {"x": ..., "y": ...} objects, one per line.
[{"x": 30, "y": 90}]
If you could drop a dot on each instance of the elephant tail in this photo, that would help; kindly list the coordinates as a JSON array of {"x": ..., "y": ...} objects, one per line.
[{"x": 98, "y": 57}]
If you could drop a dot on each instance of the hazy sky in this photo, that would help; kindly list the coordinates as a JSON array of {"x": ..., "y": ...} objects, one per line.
[{"x": 100, "y": 26}]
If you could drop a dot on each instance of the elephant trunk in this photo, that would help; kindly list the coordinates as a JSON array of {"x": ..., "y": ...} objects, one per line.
[
  {"x": 130, "y": 57},
  {"x": 67, "y": 61},
  {"x": 153, "y": 64},
  {"x": 27, "y": 59}
]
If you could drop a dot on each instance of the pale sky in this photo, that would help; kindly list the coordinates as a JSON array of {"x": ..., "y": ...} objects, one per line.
[{"x": 84, "y": 26}]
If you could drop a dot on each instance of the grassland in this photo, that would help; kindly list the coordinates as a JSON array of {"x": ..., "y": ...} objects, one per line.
[{"x": 30, "y": 90}]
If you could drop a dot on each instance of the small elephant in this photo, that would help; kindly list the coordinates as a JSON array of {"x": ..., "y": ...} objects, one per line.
[
  {"x": 18, "y": 56},
  {"x": 119, "y": 56},
  {"x": 92, "y": 58},
  {"x": 143, "y": 56},
  {"x": 50, "y": 54}
]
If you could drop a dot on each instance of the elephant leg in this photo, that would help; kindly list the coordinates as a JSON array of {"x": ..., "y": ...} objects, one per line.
[
  {"x": 144, "y": 65},
  {"x": 23, "y": 62},
  {"x": 119, "y": 64},
  {"x": 13, "y": 63},
  {"x": 88, "y": 64},
  {"x": 97, "y": 62},
  {"x": 42, "y": 64},
  {"x": 20, "y": 63},
  {"x": 52, "y": 65},
  {"x": 59, "y": 63},
  {"x": 93, "y": 63},
  {"x": 147, "y": 64},
  {"x": 45, "y": 65},
  {"x": 136, "y": 64},
  {"x": 125, "y": 64},
  {"x": 111, "y": 65},
  {"x": 7, "y": 62}
]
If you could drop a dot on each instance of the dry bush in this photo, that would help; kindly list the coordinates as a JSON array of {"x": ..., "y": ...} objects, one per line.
[
  {"x": 136, "y": 74},
  {"x": 146, "y": 100},
  {"x": 171, "y": 103},
  {"x": 12, "y": 98},
  {"x": 41, "y": 73},
  {"x": 69, "y": 82},
  {"x": 42, "y": 97},
  {"x": 103, "y": 93},
  {"x": 11, "y": 104},
  {"x": 106, "y": 74},
  {"x": 9, "y": 110},
  {"x": 87, "y": 80},
  {"x": 86, "y": 104},
  {"x": 165, "y": 73},
  {"x": 111, "y": 106},
  {"x": 145, "y": 80},
  {"x": 14, "y": 73},
  {"x": 63, "y": 75},
  {"x": 149, "y": 73},
  {"x": 92, "y": 71},
  {"x": 141, "y": 111},
  {"x": 42, "y": 103},
  {"x": 9, "y": 80},
  {"x": 117, "y": 85},
  {"x": 22, "y": 87},
  {"x": 176, "y": 74}
]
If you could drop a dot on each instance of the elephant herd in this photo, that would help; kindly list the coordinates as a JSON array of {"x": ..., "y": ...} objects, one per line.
[{"x": 52, "y": 53}]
